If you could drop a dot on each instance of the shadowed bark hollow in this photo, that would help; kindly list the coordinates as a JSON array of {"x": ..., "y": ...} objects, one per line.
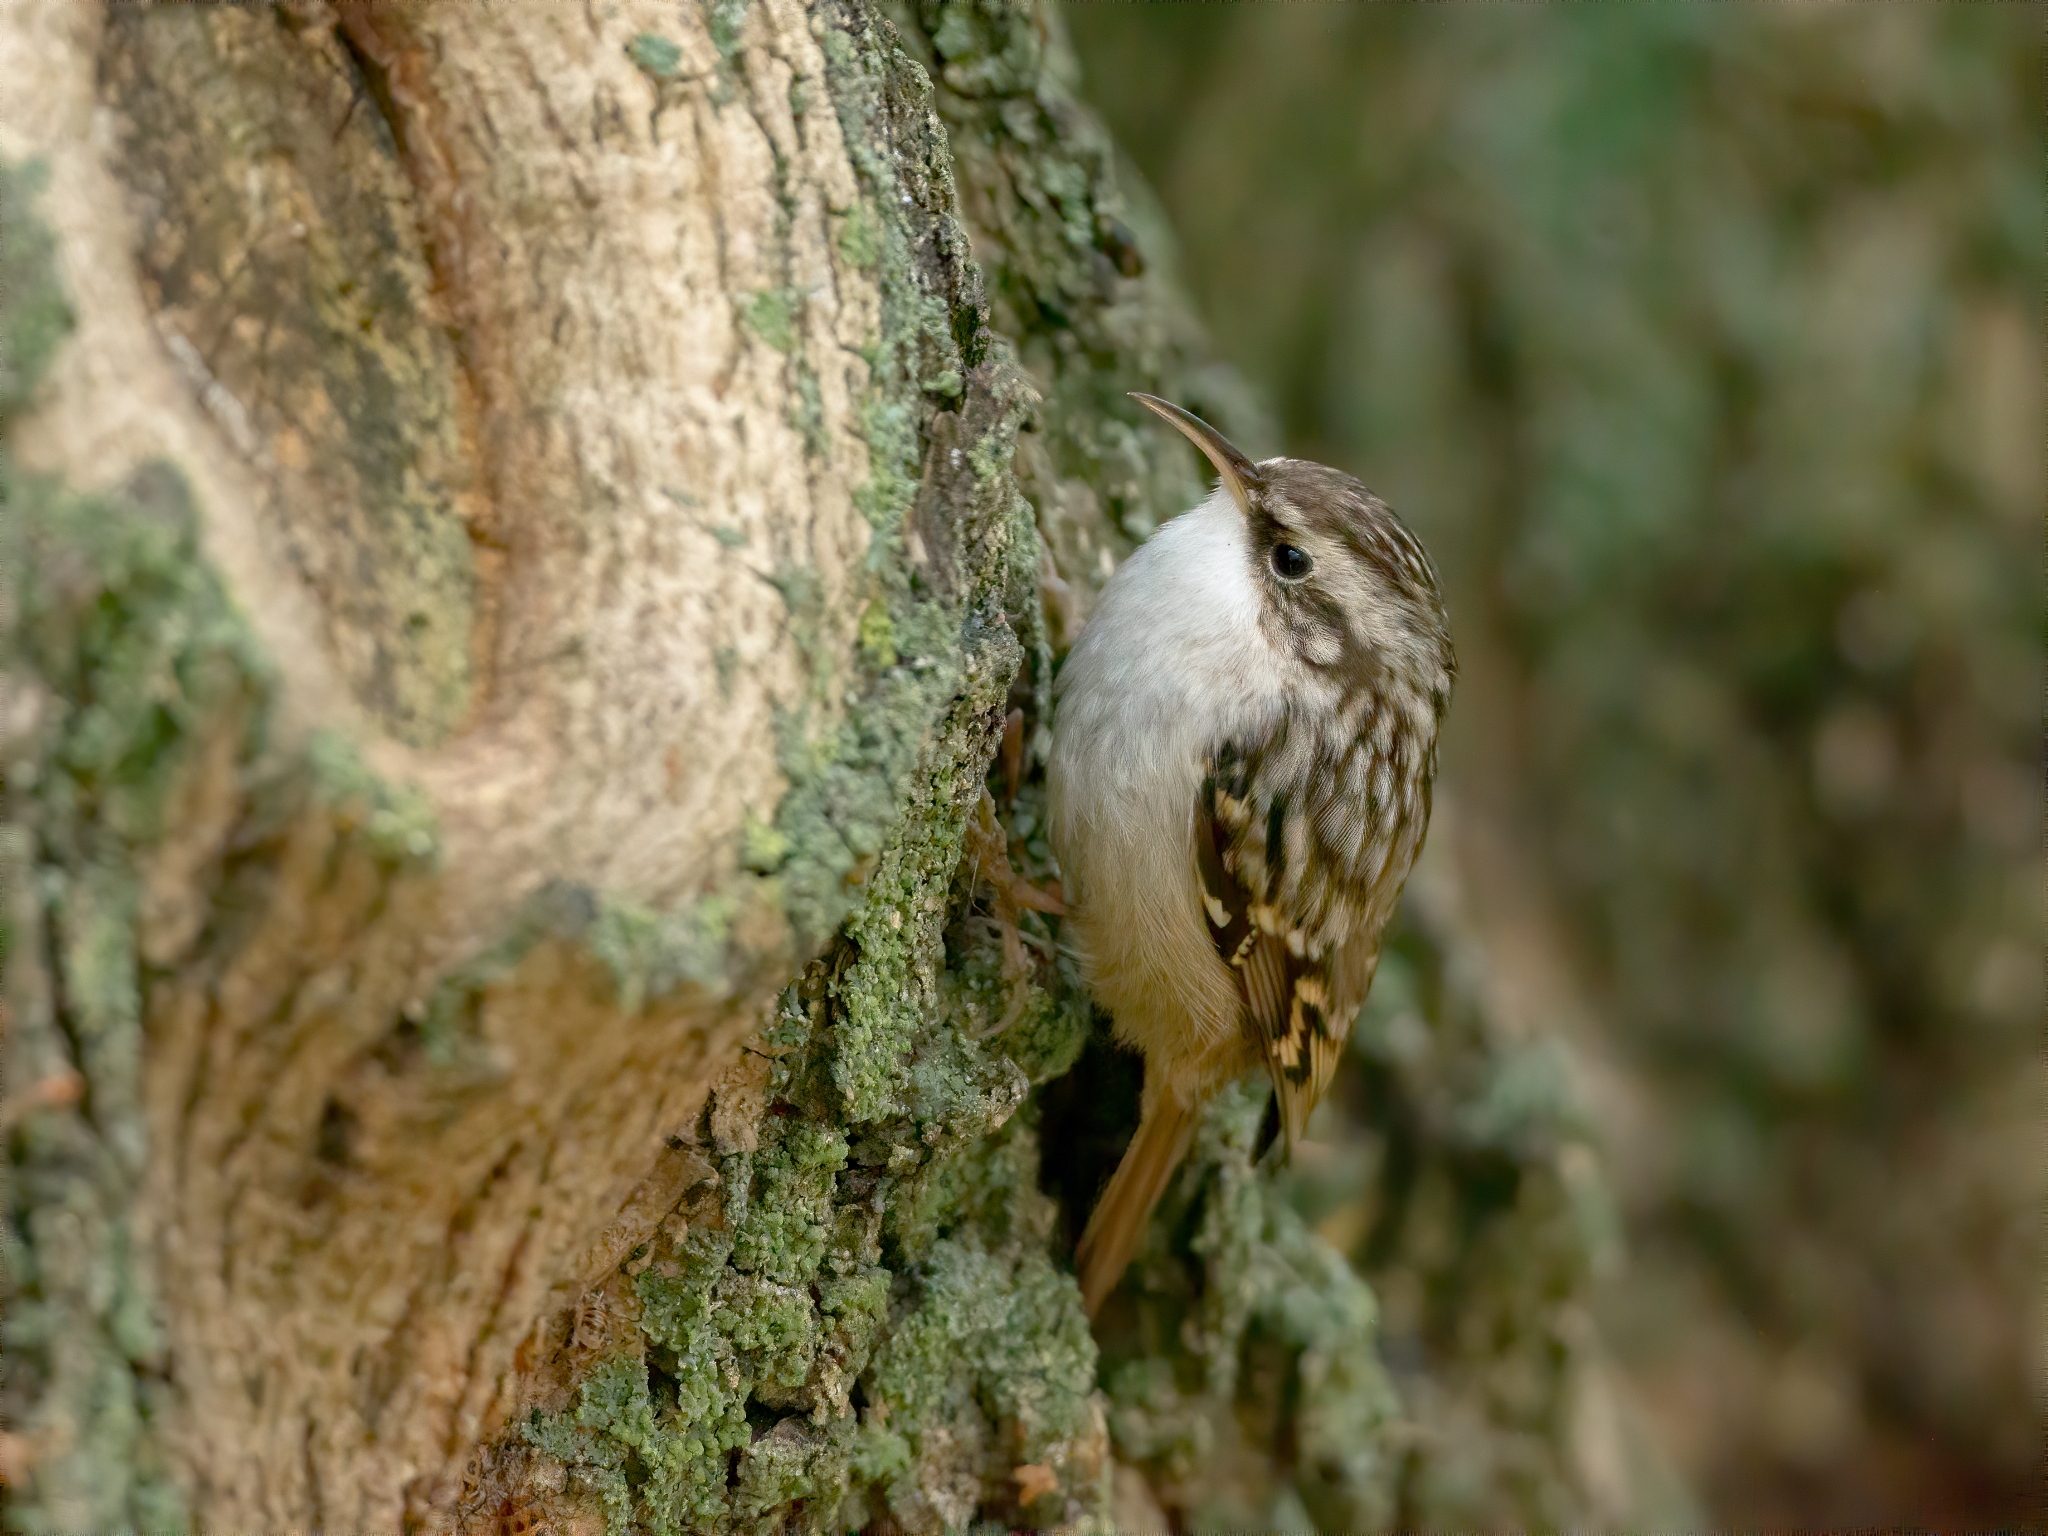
[{"x": 526, "y": 527}]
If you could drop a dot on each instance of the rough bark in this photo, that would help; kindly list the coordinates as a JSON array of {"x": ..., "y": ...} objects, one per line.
[{"x": 521, "y": 550}]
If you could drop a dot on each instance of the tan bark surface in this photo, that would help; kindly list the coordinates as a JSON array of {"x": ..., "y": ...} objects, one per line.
[{"x": 486, "y": 381}]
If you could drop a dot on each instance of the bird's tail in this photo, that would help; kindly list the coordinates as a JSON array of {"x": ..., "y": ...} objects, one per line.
[{"x": 1118, "y": 1224}]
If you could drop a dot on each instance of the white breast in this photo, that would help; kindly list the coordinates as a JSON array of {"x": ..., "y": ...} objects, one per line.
[{"x": 1173, "y": 663}]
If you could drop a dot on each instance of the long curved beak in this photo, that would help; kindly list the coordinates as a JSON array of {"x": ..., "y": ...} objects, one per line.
[{"x": 1237, "y": 471}]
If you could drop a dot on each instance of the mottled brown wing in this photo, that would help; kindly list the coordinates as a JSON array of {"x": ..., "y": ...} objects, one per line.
[{"x": 1286, "y": 984}]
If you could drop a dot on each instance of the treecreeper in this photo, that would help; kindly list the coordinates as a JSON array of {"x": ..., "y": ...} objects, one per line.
[{"x": 1244, "y": 744}]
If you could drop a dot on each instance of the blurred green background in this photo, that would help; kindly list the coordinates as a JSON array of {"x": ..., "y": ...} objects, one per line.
[{"x": 1703, "y": 346}]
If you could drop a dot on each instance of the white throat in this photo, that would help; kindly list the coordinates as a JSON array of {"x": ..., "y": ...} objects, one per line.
[{"x": 1174, "y": 661}]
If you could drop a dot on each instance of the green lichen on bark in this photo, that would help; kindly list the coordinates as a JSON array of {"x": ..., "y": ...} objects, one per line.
[
  {"x": 137, "y": 744},
  {"x": 1278, "y": 1412},
  {"x": 1080, "y": 273},
  {"x": 89, "y": 771},
  {"x": 124, "y": 654},
  {"x": 116, "y": 652},
  {"x": 37, "y": 313},
  {"x": 771, "y": 315},
  {"x": 850, "y": 1318},
  {"x": 862, "y": 1316},
  {"x": 654, "y": 54},
  {"x": 950, "y": 566},
  {"x": 941, "y": 613}
]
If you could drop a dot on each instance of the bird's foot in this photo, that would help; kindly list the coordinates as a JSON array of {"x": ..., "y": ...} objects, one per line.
[
  {"x": 1012, "y": 892},
  {"x": 992, "y": 851}
]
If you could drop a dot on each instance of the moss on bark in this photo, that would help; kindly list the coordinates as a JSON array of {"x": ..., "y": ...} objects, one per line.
[
  {"x": 121, "y": 661},
  {"x": 859, "y": 1312}
]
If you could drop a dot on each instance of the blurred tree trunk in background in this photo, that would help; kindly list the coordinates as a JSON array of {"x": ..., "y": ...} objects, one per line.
[
  {"x": 525, "y": 528},
  {"x": 1703, "y": 345}
]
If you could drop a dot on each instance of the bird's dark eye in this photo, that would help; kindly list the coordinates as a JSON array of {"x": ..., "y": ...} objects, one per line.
[{"x": 1291, "y": 564}]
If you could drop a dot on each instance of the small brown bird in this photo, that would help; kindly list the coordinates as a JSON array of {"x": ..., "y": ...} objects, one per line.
[{"x": 1245, "y": 738}]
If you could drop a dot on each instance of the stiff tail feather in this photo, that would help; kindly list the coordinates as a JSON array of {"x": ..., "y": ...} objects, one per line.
[{"x": 1114, "y": 1231}]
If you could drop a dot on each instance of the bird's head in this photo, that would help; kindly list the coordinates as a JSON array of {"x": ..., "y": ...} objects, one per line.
[{"x": 1344, "y": 585}]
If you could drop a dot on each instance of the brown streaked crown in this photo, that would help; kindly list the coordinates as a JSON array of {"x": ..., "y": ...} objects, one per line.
[{"x": 1348, "y": 586}]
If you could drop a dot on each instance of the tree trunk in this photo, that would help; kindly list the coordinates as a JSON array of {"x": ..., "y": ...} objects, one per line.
[{"x": 523, "y": 538}]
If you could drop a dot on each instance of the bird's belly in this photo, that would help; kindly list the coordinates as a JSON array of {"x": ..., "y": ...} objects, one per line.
[{"x": 1137, "y": 923}]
